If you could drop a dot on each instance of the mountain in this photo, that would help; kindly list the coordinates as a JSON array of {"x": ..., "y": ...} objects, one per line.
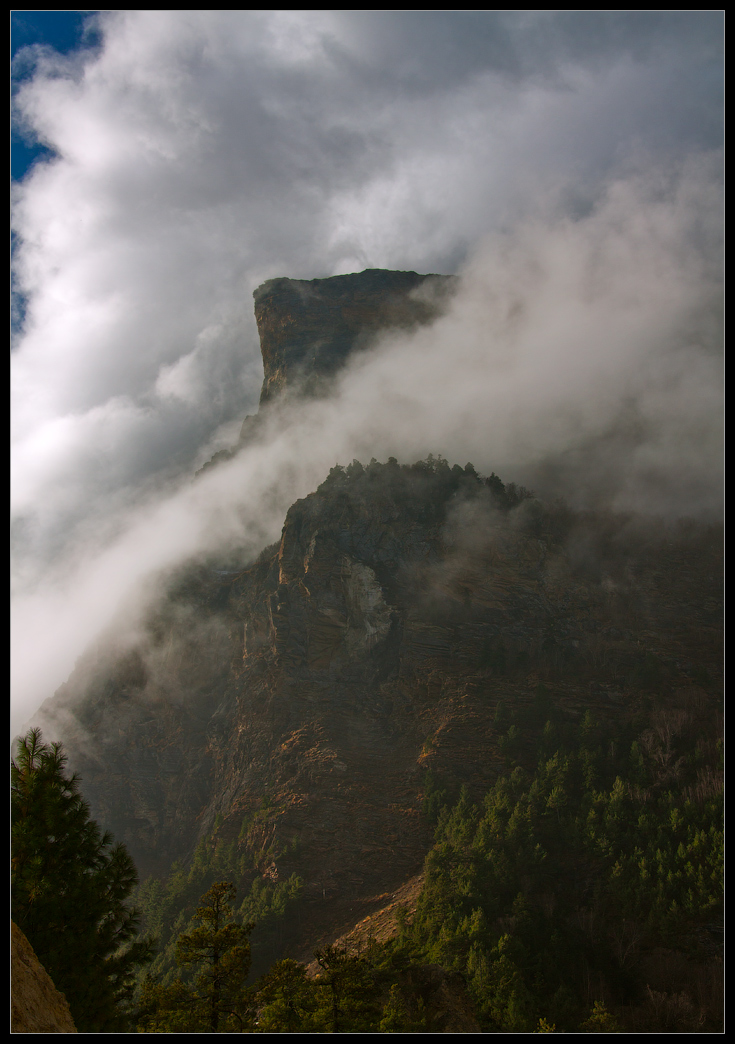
[
  {"x": 309, "y": 328},
  {"x": 413, "y": 633}
]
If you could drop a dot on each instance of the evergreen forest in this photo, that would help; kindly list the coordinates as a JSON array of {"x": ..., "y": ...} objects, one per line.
[{"x": 582, "y": 893}]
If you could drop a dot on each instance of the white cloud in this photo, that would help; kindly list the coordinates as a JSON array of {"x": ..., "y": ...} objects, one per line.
[{"x": 559, "y": 160}]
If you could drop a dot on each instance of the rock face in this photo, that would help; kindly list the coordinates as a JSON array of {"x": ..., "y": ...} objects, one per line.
[
  {"x": 37, "y": 1006},
  {"x": 309, "y": 327}
]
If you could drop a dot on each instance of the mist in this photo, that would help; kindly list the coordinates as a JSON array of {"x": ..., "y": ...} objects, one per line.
[{"x": 575, "y": 188}]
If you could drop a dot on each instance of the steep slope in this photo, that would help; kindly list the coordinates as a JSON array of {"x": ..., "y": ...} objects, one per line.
[{"x": 309, "y": 328}]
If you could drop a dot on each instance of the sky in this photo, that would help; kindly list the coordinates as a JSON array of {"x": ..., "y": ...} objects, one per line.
[
  {"x": 566, "y": 165},
  {"x": 63, "y": 31}
]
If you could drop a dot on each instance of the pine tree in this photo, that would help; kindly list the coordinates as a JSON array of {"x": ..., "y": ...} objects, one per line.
[
  {"x": 223, "y": 950},
  {"x": 70, "y": 889},
  {"x": 349, "y": 997},
  {"x": 600, "y": 1021},
  {"x": 217, "y": 1001},
  {"x": 287, "y": 1000}
]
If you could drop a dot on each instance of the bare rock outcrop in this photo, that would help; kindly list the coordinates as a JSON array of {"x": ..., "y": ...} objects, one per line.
[
  {"x": 309, "y": 327},
  {"x": 37, "y": 1006}
]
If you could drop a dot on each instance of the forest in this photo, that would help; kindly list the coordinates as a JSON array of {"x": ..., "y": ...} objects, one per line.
[{"x": 593, "y": 867}]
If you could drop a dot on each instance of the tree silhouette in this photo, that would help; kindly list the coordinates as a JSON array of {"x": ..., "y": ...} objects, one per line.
[{"x": 70, "y": 889}]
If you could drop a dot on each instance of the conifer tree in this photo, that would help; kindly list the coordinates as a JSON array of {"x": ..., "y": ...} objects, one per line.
[
  {"x": 217, "y": 1001},
  {"x": 287, "y": 1000},
  {"x": 222, "y": 950},
  {"x": 349, "y": 991},
  {"x": 70, "y": 889}
]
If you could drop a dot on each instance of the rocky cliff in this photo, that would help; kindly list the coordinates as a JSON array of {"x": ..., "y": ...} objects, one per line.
[{"x": 309, "y": 327}]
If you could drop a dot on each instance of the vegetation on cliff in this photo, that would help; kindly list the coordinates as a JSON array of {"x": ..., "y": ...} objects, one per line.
[
  {"x": 167, "y": 906},
  {"x": 349, "y": 992},
  {"x": 582, "y": 893},
  {"x": 579, "y": 877}
]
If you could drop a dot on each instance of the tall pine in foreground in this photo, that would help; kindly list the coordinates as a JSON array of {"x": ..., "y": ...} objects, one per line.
[{"x": 70, "y": 889}]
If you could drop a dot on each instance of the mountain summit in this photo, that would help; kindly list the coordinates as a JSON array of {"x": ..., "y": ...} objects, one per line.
[{"x": 309, "y": 327}]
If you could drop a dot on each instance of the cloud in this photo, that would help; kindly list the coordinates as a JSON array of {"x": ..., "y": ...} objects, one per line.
[
  {"x": 566, "y": 164},
  {"x": 576, "y": 340}
]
